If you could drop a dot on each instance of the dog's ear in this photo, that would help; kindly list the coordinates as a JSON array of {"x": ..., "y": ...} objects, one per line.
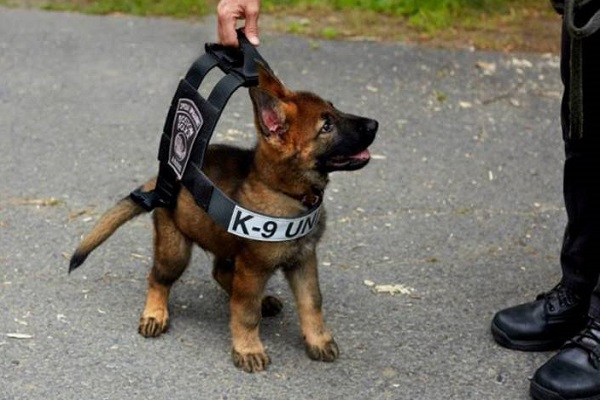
[
  {"x": 269, "y": 82},
  {"x": 269, "y": 113}
]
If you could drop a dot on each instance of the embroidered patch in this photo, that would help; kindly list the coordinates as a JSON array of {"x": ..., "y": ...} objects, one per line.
[{"x": 186, "y": 125}]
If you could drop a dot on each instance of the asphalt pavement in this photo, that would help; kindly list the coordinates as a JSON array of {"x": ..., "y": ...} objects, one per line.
[{"x": 459, "y": 214}]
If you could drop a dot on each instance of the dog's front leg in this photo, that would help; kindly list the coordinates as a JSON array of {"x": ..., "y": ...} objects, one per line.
[
  {"x": 247, "y": 287},
  {"x": 304, "y": 281}
]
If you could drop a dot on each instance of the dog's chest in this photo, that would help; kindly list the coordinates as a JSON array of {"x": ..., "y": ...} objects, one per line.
[{"x": 295, "y": 252}]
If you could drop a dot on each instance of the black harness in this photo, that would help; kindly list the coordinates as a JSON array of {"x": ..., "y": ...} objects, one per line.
[{"x": 188, "y": 128}]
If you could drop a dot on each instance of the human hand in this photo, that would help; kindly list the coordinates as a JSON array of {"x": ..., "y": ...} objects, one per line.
[{"x": 229, "y": 12}]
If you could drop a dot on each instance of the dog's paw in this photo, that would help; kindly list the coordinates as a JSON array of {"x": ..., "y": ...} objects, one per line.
[
  {"x": 270, "y": 306},
  {"x": 152, "y": 326},
  {"x": 251, "y": 362},
  {"x": 327, "y": 352}
]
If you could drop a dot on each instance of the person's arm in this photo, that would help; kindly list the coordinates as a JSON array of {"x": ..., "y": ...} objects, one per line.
[{"x": 229, "y": 12}]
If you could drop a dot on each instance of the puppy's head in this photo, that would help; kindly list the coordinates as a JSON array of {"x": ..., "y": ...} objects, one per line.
[{"x": 307, "y": 132}]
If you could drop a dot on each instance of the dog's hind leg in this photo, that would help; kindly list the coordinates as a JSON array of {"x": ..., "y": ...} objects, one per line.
[
  {"x": 223, "y": 270},
  {"x": 304, "y": 282},
  {"x": 172, "y": 253}
]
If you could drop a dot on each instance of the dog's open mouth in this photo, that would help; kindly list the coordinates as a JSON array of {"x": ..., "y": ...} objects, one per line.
[{"x": 349, "y": 162}]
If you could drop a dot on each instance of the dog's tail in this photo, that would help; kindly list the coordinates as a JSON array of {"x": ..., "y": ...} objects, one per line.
[{"x": 120, "y": 213}]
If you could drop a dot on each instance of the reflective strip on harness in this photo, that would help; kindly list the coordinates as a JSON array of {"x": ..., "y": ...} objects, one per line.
[{"x": 251, "y": 225}]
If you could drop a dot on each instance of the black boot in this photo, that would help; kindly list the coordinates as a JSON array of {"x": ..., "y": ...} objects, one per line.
[
  {"x": 574, "y": 372},
  {"x": 541, "y": 325}
]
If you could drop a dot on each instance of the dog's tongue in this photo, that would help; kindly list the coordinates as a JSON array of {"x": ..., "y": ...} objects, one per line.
[{"x": 363, "y": 155}]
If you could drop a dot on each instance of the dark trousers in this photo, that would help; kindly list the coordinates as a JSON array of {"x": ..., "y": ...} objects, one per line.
[{"x": 580, "y": 254}]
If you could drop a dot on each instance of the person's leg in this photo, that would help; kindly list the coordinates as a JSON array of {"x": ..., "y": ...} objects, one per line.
[
  {"x": 580, "y": 254},
  {"x": 554, "y": 317},
  {"x": 574, "y": 372}
]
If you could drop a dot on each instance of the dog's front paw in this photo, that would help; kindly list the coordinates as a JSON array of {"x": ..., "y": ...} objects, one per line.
[
  {"x": 251, "y": 362},
  {"x": 270, "y": 306},
  {"x": 153, "y": 326},
  {"x": 327, "y": 352}
]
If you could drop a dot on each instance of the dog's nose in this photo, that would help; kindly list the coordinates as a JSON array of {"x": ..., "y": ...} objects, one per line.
[{"x": 371, "y": 125}]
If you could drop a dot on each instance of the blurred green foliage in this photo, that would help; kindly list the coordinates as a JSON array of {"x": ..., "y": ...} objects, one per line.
[
  {"x": 434, "y": 14},
  {"x": 174, "y": 8}
]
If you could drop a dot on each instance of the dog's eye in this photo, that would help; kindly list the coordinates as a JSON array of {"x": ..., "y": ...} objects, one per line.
[{"x": 327, "y": 125}]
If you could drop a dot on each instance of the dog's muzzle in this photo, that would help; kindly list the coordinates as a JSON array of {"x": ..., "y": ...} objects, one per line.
[{"x": 350, "y": 152}]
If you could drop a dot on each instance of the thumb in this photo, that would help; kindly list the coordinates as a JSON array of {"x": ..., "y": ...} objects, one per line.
[{"x": 251, "y": 29}]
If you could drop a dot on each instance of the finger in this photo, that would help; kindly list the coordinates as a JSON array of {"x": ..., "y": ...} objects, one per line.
[
  {"x": 227, "y": 36},
  {"x": 227, "y": 16},
  {"x": 251, "y": 29}
]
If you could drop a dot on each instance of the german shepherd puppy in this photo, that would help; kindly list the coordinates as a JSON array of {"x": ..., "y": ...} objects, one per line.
[{"x": 301, "y": 138}]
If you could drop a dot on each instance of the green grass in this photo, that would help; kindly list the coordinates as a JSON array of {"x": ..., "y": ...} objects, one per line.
[
  {"x": 172, "y": 8},
  {"x": 424, "y": 14},
  {"x": 396, "y": 7}
]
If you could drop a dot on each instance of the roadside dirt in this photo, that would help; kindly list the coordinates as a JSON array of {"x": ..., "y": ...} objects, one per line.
[{"x": 528, "y": 31}]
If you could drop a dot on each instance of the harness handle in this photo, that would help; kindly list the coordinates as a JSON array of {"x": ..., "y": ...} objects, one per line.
[{"x": 241, "y": 61}]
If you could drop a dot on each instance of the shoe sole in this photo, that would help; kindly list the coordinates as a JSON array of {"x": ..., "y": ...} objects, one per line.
[
  {"x": 524, "y": 345},
  {"x": 538, "y": 392}
]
